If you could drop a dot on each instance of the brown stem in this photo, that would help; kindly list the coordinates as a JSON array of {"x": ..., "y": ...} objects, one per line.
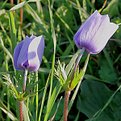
[
  {"x": 21, "y": 16},
  {"x": 104, "y": 4},
  {"x": 21, "y": 102},
  {"x": 11, "y": 1},
  {"x": 20, "y": 111},
  {"x": 66, "y": 100}
]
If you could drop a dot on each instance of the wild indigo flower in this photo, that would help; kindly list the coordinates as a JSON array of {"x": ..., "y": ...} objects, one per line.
[
  {"x": 94, "y": 34},
  {"x": 28, "y": 53}
]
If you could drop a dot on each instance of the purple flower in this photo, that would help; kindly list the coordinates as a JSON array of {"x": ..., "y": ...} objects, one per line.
[
  {"x": 94, "y": 34},
  {"x": 28, "y": 53}
]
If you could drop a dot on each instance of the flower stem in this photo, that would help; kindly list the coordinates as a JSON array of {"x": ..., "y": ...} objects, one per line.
[
  {"x": 11, "y": 1},
  {"x": 20, "y": 110},
  {"x": 25, "y": 79},
  {"x": 21, "y": 15},
  {"x": 77, "y": 63},
  {"x": 67, "y": 93},
  {"x": 21, "y": 102},
  {"x": 66, "y": 100},
  {"x": 78, "y": 59}
]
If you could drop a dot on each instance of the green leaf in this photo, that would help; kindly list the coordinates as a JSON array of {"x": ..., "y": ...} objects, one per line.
[
  {"x": 78, "y": 76},
  {"x": 65, "y": 16},
  {"x": 113, "y": 8},
  {"x": 69, "y": 67},
  {"x": 11, "y": 85},
  {"x": 5, "y": 49},
  {"x": 52, "y": 100},
  {"x": 25, "y": 112},
  {"x": 7, "y": 111},
  {"x": 108, "y": 109},
  {"x": 36, "y": 17},
  {"x": 64, "y": 75},
  {"x": 12, "y": 29},
  {"x": 57, "y": 110},
  {"x": 43, "y": 98},
  {"x": 20, "y": 5},
  {"x": 60, "y": 73},
  {"x": 106, "y": 73},
  {"x": 77, "y": 117},
  {"x": 92, "y": 98},
  {"x": 116, "y": 107}
]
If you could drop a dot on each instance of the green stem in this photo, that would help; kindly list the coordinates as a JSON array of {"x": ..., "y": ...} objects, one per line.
[
  {"x": 25, "y": 79},
  {"x": 78, "y": 59},
  {"x": 37, "y": 95},
  {"x": 43, "y": 98},
  {"x": 77, "y": 63}
]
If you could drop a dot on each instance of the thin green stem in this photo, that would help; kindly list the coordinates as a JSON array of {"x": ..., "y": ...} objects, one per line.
[
  {"x": 36, "y": 95},
  {"x": 79, "y": 58},
  {"x": 77, "y": 63},
  {"x": 54, "y": 43},
  {"x": 8, "y": 94},
  {"x": 25, "y": 79},
  {"x": 50, "y": 6},
  {"x": 43, "y": 98}
]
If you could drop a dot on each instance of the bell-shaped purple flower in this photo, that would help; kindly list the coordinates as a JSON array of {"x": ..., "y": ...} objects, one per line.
[
  {"x": 94, "y": 34},
  {"x": 28, "y": 53}
]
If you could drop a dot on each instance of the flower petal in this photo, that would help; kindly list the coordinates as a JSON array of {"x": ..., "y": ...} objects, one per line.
[
  {"x": 88, "y": 29},
  {"x": 103, "y": 34},
  {"x": 94, "y": 34},
  {"x": 35, "y": 53},
  {"x": 23, "y": 56},
  {"x": 16, "y": 54}
]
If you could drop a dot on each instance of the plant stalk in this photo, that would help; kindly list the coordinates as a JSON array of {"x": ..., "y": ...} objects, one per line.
[
  {"x": 11, "y": 1},
  {"x": 21, "y": 16},
  {"x": 21, "y": 110},
  {"x": 25, "y": 79},
  {"x": 77, "y": 63},
  {"x": 21, "y": 102},
  {"x": 66, "y": 100},
  {"x": 67, "y": 93}
]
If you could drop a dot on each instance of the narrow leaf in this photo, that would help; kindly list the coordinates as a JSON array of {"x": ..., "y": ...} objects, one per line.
[
  {"x": 6, "y": 111},
  {"x": 20, "y": 5},
  {"x": 72, "y": 62}
]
